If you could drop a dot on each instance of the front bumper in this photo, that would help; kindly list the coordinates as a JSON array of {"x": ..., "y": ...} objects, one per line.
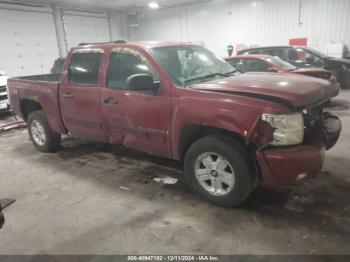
[{"x": 293, "y": 165}]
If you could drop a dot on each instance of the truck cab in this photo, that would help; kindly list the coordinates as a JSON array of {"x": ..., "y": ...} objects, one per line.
[{"x": 232, "y": 131}]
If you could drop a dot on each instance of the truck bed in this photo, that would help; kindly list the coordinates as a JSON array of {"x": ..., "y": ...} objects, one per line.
[
  {"x": 40, "y": 91},
  {"x": 51, "y": 78}
]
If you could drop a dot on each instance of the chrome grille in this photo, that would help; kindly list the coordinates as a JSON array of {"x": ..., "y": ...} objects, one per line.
[{"x": 3, "y": 93}]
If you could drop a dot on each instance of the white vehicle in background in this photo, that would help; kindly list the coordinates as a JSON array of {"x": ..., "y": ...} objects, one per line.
[{"x": 4, "y": 102}]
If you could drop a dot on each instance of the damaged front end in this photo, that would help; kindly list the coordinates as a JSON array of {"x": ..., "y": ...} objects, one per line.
[
  {"x": 296, "y": 163},
  {"x": 324, "y": 126}
]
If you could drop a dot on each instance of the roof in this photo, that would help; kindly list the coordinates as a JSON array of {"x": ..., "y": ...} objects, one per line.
[
  {"x": 143, "y": 44},
  {"x": 267, "y": 47}
]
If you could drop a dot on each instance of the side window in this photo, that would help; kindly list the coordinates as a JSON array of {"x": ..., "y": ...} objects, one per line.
[
  {"x": 274, "y": 52},
  {"x": 313, "y": 60},
  {"x": 84, "y": 68},
  {"x": 255, "y": 65},
  {"x": 292, "y": 54},
  {"x": 255, "y": 52},
  {"x": 268, "y": 52},
  {"x": 238, "y": 64},
  {"x": 124, "y": 63},
  {"x": 298, "y": 54}
]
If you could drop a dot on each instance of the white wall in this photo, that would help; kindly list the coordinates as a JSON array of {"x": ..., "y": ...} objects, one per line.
[
  {"x": 84, "y": 27},
  {"x": 28, "y": 37},
  {"x": 119, "y": 26},
  {"x": 252, "y": 22},
  {"x": 28, "y": 42}
]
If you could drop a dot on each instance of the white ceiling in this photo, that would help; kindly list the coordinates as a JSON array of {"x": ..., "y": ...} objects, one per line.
[{"x": 105, "y": 5}]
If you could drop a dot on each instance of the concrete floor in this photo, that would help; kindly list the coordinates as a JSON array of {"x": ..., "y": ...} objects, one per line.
[{"x": 94, "y": 199}]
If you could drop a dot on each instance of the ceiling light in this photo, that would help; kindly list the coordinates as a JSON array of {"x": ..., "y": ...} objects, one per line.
[{"x": 153, "y": 5}]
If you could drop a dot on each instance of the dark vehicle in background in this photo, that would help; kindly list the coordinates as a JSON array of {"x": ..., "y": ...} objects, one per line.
[
  {"x": 58, "y": 65},
  {"x": 303, "y": 57}
]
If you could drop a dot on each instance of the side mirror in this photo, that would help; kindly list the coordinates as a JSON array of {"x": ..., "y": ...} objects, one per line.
[
  {"x": 142, "y": 82},
  {"x": 273, "y": 70}
]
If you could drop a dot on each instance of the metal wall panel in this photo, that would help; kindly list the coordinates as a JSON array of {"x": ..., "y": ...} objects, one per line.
[
  {"x": 28, "y": 42},
  {"x": 80, "y": 28},
  {"x": 252, "y": 22}
]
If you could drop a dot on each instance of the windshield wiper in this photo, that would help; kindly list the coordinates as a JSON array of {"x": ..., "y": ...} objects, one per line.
[{"x": 207, "y": 76}]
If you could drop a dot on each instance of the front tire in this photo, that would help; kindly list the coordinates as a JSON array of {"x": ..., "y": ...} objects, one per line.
[
  {"x": 220, "y": 170},
  {"x": 41, "y": 134}
]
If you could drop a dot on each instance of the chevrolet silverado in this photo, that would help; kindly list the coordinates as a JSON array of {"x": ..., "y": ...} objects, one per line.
[{"x": 232, "y": 131}]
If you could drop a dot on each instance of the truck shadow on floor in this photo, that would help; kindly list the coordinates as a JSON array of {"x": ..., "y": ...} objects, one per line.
[
  {"x": 321, "y": 205},
  {"x": 326, "y": 192}
]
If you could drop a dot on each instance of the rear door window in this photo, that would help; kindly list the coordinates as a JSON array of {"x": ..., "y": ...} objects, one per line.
[
  {"x": 84, "y": 68},
  {"x": 274, "y": 52},
  {"x": 255, "y": 65},
  {"x": 254, "y": 52}
]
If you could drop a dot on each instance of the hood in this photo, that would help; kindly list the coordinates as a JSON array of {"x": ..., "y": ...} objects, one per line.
[
  {"x": 287, "y": 89},
  {"x": 310, "y": 70},
  {"x": 338, "y": 60},
  {"x": 314, "y": 72}
]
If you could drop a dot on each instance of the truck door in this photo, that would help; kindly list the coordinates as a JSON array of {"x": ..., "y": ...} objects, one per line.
[
  {"x": 80, "y": 95},
  {"x": 136, "y": 119}
]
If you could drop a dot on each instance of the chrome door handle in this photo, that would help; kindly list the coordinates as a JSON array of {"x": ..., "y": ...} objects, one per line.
[
  {"x": 110, "y": 101},
  {"x": 67, "y": 95}
]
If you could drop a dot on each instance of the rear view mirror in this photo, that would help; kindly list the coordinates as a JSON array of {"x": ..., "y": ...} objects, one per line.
[{"x": 141, "y": 82}]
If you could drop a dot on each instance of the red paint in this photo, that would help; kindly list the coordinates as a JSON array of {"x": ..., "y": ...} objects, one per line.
[
  {"x": 298, "y": 41},
  {"x": 276, "y": 68},
  {"x": 282, "y": 166},
  {"x": 154, "y": 123}
]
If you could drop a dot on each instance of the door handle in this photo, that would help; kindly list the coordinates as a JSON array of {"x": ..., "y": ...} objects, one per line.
[
  {"x": 67, "y": 95},
  {"x": 110, "y": 101}
]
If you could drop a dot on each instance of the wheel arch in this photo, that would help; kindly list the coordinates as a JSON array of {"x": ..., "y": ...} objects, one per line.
[
  {"x": 193, "y": 132},
  {"x": 27, "y": 106}
]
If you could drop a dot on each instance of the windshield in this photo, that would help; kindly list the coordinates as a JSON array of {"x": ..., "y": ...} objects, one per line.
[
  {"x": 316, "y": 52},
  {"x": 188, "y": 64},
  {"x": 281, "y": 63}
]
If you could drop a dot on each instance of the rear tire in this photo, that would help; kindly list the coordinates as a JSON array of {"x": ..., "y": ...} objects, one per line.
[
  {"x": 227, "y": 184},
  {"x": 41, "y": 134}
]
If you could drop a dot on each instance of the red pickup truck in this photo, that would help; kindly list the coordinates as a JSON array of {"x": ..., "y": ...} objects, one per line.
[{"x": 232, "y": 131}]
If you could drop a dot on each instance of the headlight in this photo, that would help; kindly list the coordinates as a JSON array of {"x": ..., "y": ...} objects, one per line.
[{"x": 288, "y": 129}]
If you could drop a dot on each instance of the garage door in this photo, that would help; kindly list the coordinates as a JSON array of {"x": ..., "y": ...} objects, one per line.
[
  {"x": 28, "y": 42},
  {"x": 86, "y": 29}
]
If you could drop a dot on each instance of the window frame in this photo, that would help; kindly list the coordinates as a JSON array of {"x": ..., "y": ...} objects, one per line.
[
  {"x": 86, "y": 51},
  {"x": 138, "y": 54}
]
